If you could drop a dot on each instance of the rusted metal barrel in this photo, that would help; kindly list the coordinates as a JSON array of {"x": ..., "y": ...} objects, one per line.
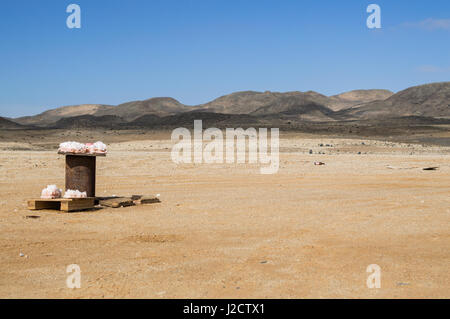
[{"x": 80, "y": 173}]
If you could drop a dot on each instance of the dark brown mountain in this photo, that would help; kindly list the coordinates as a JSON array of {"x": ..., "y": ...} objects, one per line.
[
  {"x": 53, "y": 115},
  {"x": 429, "y": 100},
  {"x": 357, "y": 98},
  {"x": 186, "y": 119},
  {"x": 251, "y": 102},
  {"x": 259, "y": 103},
  {"x": 128, "y": 111},
  {"x": 301, "y": 107},
  {"x": 9, "y": 125},
  {"x": 88, "y": 121},
  {"x": 160, "y": 106}
]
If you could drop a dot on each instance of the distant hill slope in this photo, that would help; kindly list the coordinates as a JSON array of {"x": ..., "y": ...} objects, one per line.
[
  {"x": 187, "y": 120},
  {"x": 250, "y": 102},
  {"x": 303, "y": 109},
  {"x": 53, "y": 115},
  {"x": 160, "y": 106},
  {"x": 88, "y": 121},
  {"x": 305, "y": 105},
  {"x": 308, "y": 105},
  {"x": 127, "y": 111},
  {"x": 9, "y": 125},
  {"x": 357, "y": 97},
  {"x": 429, "y": 100}
]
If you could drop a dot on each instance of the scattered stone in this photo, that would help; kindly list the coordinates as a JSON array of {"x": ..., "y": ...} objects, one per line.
[
  {"x": 32, "y": 216},
  {"x": 393, "y": 167},
  {"x": 403, "y": 284}
]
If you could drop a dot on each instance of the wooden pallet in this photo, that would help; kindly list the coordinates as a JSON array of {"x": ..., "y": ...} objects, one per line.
[{"x": 62, "y": 204}]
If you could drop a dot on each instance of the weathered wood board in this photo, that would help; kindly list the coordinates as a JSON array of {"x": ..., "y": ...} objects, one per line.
[
  {"x": 117, "y": 202},
  {"x": 62, "y": 204},
  {"x": 146, "y": 200},
  {"x": 76, "y": 204}
]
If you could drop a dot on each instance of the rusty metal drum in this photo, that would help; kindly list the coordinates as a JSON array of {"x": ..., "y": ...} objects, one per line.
[{"x": 80, "y": 173}]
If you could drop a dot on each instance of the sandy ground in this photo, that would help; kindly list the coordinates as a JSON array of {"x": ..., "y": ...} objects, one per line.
[{"x": 226, "y": 231}]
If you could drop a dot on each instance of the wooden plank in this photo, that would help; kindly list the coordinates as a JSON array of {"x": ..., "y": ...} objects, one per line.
[
  {"x": 64, "y": 204},
  {"x": 101, "y": 198},
  {"x": 37, "y": 204},
  {"x": 60, "y": 199},
  {"x": 77, "y": 204},
  {"x": 117, "y": 202},
  {"x": 147, "y": 200}
]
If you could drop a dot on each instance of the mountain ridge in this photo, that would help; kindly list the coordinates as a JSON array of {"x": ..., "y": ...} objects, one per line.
[{"x": 428, "y": 100}]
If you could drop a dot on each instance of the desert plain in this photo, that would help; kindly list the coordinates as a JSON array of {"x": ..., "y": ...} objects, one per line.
[{"x": 227, "y": 231}]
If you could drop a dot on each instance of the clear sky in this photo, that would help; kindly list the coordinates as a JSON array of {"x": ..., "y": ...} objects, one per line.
[{"x": 197, "y": 50}]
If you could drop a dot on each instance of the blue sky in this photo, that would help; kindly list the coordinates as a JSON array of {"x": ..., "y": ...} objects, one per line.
[{"x": 197, "y": 50}]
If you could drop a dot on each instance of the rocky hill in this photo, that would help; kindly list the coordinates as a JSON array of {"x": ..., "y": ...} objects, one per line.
[
  {"x": 53, "y": 115},
  {"x": 429, "y": 100},
  {"x": 9, "y": 125},
  {"x": 424, "y": 101}
]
